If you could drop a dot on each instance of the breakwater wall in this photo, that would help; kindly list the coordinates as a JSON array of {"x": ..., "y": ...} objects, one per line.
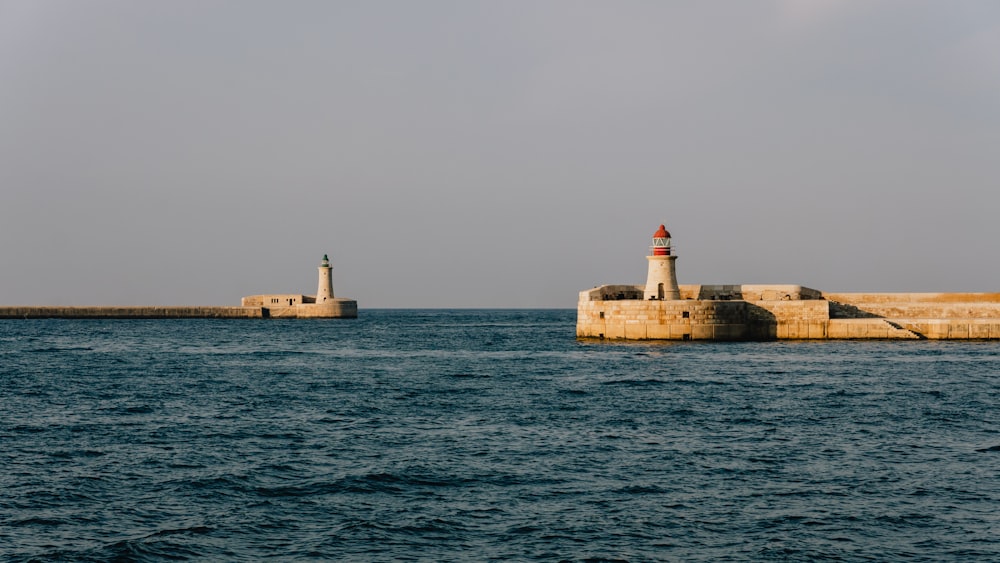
[
  {"x": 291, "y": 306},
  {"x": 142, "y": 312},
  {"x": 778, "y": 312}
]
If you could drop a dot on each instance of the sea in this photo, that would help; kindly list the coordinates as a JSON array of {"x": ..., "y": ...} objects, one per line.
[{"x": 488, "y": 435}]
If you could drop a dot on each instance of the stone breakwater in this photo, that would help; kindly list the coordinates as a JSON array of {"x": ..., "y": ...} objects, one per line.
[
  {"x": 334, "y": 309},
  {"x": 142, "y": 312},
  {"x": 780, "y": 312}
]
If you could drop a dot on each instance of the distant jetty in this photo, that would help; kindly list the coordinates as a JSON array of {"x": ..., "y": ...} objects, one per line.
[
  {"x": 323, "y": 305},
  {"x": 55, "y": 312},
  {"x": 664, "y": 310}
]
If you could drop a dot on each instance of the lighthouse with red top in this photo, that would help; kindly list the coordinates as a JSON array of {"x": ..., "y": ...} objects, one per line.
[{"x": 661, "y": 281}]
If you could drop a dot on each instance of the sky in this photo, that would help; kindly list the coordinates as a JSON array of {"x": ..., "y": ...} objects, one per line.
[{"x": 467, "y": 153}]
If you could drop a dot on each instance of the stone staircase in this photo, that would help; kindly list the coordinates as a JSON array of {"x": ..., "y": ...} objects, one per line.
[
  {"x": 846, "y": 311},
  {"x": 900, "y": 331}
]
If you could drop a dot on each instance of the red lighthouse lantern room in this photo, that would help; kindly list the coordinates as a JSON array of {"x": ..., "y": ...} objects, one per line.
[{"x": 661, "y": 242}]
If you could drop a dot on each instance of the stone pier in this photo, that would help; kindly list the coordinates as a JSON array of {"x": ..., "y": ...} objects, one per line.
[{"x": 784, "y": 312}]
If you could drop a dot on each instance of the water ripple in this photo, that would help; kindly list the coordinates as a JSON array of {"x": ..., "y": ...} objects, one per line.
[{"x": 487, "y": 435}]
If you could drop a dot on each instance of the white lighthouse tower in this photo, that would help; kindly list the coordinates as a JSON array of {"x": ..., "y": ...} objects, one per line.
[
  {"x": 661, "y": 281},
  {"x": 325, "y": 290}
]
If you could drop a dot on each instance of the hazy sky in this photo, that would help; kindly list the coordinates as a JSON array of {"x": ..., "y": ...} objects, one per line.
[{"x": 493, "y": 154}]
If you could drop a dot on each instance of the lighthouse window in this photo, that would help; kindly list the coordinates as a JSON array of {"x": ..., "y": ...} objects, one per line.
[
  {"x": 686, "y": 315},
  {"x": 602, "y": 314}
]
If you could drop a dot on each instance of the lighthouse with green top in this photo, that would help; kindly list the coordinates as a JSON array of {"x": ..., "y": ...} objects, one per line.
[{"x": 325, "y": 290}]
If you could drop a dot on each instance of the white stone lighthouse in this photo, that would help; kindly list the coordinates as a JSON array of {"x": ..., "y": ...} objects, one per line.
[
  {"x": 297, "y": 306},
  {"x": 325, "y": 290},
  {"x": 661, "y": 281}
]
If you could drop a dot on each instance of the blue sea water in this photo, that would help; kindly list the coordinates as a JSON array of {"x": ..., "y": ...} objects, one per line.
[{"x": 474, "y": 435}]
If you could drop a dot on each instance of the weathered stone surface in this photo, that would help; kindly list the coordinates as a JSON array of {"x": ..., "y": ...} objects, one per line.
[{"x": 761, "y": 312}]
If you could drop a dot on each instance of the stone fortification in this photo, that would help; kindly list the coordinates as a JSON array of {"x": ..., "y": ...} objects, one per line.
[
  {"x": 323, "y": 305},
  {"x": 332, "y": 309},
  {"x": 663, "y": 310},
  {"x": 775, "y": 312},
  {"x": 943, "y": 316}
]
